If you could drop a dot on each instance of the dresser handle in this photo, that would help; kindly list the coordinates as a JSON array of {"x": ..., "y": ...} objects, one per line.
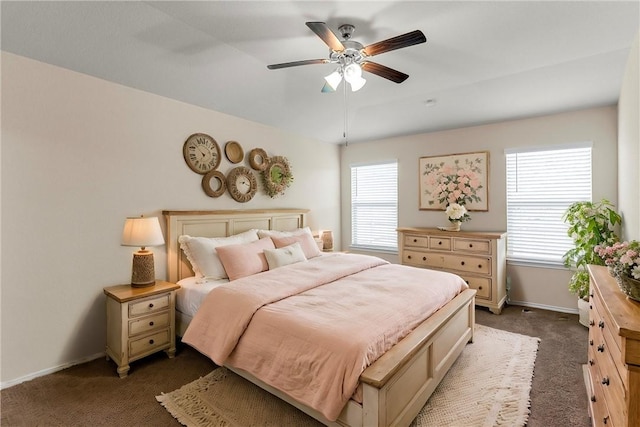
[
  {"x": 424, "y": 258},
  {"x": 605, "y": 381},
  {"x": 440, "y": 242},
  {"x": 591, "y": 294},
  {"x": 605, "y": 419},
  {"x": 590, "y": 307},
  {"x": 415, "y": 240},
  {"x": 592, "y": 322},
  {"x": 601, "y": 348},
  {"x": 601, "y": 324},
  {"x": 150, "y": 323},
  {"x": 462, "y": 263},
  {"x": 470, "y": 245},
  {"x": 479, "y": 265},
  {"x": 590, "y": 342},
  {"x": 593, "y": 397},
  {"x": 466, "y": 281},
  {"x": 151, "y": 342},
  {"x": 408, "y": 256},
  {"x": 150, "y": 305},
  {"x": 479, "y": 288},
  {"x": 591, "y": 362}
]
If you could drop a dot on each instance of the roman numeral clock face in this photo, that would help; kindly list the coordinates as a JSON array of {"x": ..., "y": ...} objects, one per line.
[{"x": 202, "y": 153}]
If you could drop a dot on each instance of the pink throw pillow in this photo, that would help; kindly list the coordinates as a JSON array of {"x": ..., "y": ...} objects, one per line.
[
  {"x": 245, "y": 259},
  {"x": 308, "y": 244}
]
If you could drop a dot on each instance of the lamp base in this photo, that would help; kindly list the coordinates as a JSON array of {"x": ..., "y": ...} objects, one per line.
[{"x": 142, "y": 272}]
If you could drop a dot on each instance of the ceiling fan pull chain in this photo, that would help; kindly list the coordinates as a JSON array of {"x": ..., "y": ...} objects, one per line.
[{"x": 346, "y": 115}]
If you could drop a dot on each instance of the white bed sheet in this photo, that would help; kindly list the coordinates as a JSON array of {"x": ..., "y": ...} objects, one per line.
[{"x": 192, "y": 291}]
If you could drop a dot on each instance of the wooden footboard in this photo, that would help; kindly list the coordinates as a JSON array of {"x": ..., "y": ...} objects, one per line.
[{"x": 398, "y": 384}]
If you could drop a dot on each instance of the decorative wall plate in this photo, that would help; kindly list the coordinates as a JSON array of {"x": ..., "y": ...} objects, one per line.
[
  {"x": 277, "y": 176},
  {"x": 219, "y": 188},
  {"x": 258, "y": 159},
  {"x": 201, "y": 152},
  {"x": 234, "y": 152}
]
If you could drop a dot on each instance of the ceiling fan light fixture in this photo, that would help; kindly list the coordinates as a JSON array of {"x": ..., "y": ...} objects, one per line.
[
  {"x": 356, "y": 84},
  {"x": 353, "y": 74},
  {"x": 334, "y": 79}
]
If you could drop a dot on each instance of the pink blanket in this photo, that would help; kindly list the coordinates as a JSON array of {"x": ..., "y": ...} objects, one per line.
[{"x": 310, "y": 329}]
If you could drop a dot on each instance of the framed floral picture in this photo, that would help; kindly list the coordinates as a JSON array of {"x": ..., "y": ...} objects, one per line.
[{"x": 455, "y": 178}]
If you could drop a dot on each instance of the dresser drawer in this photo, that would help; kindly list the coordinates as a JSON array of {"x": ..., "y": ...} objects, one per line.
[
  {"x": 440, "y": 243},
  {"x": 149, "y": 344},
  {"x": 599, "y": 412},
  {"x": 470, "y": 245},
  {"x": 468, "y": 263},
  {"x": 423, "y": 259},
  {"x": 482, "y": 285},
  {"x": 420, "y": 241},
  {"x": 148, "y": 305},
  {"x": 149, "y": 323}
]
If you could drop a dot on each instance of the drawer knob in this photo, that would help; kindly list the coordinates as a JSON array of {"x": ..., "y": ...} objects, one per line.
[
  {"x": 605, "y": 381},
  {"x": 470, "y": 245},
  {"x": 462, "y": 263},
  {"x": 601, "y": 348},
  {"x": 605, "y": 419},
  {"x": 592, "y": 322},
  {"x": 593, "y": 397},
  {"x": 440, "y": 242},
  {"x": 591, "y": 294},
  {"x": 590, "y": 342},
  {"x": 479, "y": 265},
  {"x": 415, "y": 240},
  {"x": 601, "y": 324},
  {"x": 479, "y": 288},
  {"x": 408, "y": 256},
  {"x": 150, "y": 305},
  {"x": 150, "y": 323},
  {"x": 424, "y": 258},
  {"x": 591, "y": 362},
  {"x": 151, "y": 342}
]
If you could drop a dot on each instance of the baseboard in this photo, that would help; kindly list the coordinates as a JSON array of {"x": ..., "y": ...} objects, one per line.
[
  {"x": 52, "y": 370},
  {"x": 545, "y": 307}
]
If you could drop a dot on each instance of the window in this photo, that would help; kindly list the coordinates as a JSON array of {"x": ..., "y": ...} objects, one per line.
[
  {"x": 374, "y": 206},
  {"x": 541, "y": 184}
]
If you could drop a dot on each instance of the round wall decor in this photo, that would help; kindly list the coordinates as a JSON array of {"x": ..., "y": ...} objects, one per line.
[
  {"x": 234, "y": 152},
  {"x": 201, "y": 152},
  {"x": 258, "y": 159},
  {"x": 277, "y": 176},
  {"x": 242, "y": 184},
  {"x": 217, "y": 189}
]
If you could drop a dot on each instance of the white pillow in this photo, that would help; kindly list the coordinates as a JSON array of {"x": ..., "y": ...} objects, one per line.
[
  {"x": 284, "y": 256},
  {"x": 276, "y": 233},
  {"x": 201, "y": 252}
]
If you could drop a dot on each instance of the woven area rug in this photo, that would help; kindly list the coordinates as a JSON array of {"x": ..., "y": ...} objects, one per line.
[{"x": 487, "y": 386}]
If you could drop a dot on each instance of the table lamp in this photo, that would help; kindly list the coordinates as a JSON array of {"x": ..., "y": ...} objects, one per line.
[{"x": 142, "y": 232}]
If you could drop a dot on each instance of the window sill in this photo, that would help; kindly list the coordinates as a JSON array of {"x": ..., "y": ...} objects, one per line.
[{"x": 536, "y": 264}]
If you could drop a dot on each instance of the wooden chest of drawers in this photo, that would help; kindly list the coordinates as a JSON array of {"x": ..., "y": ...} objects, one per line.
[
  {"x": 140, "y": 321},
  {"x": 478, "y": 257},
  {"x": 613, "y": 369}
]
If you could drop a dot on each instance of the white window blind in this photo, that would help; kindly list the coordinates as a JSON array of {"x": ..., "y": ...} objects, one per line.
[
  {"x": 541, "y": 184},
  {"x": 374, "y": 206}
]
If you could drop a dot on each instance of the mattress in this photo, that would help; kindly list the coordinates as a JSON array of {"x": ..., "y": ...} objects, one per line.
[{"x": 191, "y": 293}]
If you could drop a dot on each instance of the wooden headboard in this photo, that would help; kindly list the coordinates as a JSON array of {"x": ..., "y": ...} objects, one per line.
[{"x": 220, "y": 224}]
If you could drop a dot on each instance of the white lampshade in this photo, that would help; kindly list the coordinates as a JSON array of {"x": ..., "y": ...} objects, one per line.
[
  {"x": 353, "y": 74},
  {"x": 142, "y": 232},
  {"x": 334, "y": 79}
]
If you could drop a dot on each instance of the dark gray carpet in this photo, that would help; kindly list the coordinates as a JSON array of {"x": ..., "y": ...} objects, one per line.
[{"x": 92, "y": 394}]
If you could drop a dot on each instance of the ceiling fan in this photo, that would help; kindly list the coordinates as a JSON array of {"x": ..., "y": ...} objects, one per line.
[{"x": 352, "y": 57}]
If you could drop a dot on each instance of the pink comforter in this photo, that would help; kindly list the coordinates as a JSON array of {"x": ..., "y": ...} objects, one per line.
[{"x": 311, "y": 328}]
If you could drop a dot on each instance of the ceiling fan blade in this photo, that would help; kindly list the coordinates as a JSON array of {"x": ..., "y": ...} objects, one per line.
[
  {"x": 384, "y": 71},
  {"x": 296, "y": 63},
  {"x": 398, "y": 42},
  {"x": 324, "y": 32}
]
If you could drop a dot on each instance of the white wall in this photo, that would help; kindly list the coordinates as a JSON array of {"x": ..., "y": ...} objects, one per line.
[
  {"x": 79, "y": 155},
  {"x": 532, "y": 286},
  {"x": 629, "y": 146}
]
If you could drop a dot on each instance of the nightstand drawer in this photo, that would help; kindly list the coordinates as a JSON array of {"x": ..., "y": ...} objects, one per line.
[
  {"x": 475, "y": 246},
  {"x": 149, "y": 343},
  {"x": 148, "y": 305},
  {"x": 146, "y": 324}
]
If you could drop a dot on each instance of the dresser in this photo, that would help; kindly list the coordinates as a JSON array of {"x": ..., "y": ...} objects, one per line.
[
  {"x": 612, "y": 373},
  {"x": 478, "y": 257},
  {"x": 140, "y": 322}
]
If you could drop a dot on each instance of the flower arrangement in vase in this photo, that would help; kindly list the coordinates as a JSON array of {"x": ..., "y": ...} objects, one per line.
[{"x": 623, "y": 261}]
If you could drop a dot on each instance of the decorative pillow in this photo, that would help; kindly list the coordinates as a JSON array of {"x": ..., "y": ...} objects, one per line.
[
  {"x": 284, "y": 256},
  {"x": 201, "y": 252},
  {"x": 306, "y": 240},
  {"x": 245, "y": 259},
  {"x": 276, "y": 233}
]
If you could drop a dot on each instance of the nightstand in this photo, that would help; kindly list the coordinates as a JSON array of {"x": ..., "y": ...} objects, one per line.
[{"x": 140, "y": 322}]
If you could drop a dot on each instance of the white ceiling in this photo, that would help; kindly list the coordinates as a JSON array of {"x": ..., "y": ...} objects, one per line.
[{"x": 483, "y": 61}]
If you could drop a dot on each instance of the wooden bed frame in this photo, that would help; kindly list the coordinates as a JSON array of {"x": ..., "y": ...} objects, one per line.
[{"x": 399, "y": 383}]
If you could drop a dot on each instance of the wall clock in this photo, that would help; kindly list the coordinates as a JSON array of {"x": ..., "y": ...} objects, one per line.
[
  {"x": 201, "y": 152},
  {"x": 242, "y": 184},
  {"x": 218, "y": 188}
]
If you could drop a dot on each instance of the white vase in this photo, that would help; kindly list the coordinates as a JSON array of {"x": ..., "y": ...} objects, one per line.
[
  {"x": 583, "y": 312},
  {"x": 455, "y": 226}
]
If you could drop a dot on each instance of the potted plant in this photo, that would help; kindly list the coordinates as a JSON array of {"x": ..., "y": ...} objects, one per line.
[{"x": 591, "y": 224}]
